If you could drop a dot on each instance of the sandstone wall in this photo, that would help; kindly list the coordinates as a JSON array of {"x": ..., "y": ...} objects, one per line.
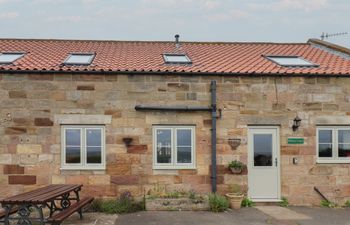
[{"x": 30, "y": 136}]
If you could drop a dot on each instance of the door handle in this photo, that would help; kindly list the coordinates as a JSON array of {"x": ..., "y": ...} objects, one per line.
[{"x": 276, "y": 161}]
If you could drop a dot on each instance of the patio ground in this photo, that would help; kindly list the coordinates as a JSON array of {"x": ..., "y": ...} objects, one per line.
[{"x": 262, "y": 215}]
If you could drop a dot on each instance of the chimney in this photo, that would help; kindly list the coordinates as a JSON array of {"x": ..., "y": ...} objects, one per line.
[{"x": 177, "y": 43}]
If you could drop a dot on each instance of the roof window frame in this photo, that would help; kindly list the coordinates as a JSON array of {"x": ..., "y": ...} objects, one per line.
[
  {"x": 189, "y": 61},
  {"x": 93, "y": 54},
  {"x": 22, "y": 54},
  {"x": 311, "y": 64}
]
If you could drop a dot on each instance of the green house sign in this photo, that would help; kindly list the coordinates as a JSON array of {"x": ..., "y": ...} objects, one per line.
[{"x": 295, "y": 141}]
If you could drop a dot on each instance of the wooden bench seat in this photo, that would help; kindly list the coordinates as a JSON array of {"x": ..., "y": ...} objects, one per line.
[
  {"x": 76, "y": 207},
  {"x": 3, "y": 213}
]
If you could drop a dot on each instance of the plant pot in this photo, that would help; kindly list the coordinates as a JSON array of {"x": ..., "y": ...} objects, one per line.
[
  {"x": 236, "y": 170},
  {"x": 235, "y": 200}
]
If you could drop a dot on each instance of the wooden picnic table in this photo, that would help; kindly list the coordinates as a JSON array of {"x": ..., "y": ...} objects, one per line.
[{"x": 28, "y": 207}]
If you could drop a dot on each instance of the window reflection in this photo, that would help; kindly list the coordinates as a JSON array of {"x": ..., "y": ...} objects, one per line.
[
  {"x": 163, "y": 146},
  {"x": 262, "y": 149}
]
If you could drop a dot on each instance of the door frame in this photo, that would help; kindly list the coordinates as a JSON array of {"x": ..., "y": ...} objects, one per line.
[{"x": 278, "y": 156}]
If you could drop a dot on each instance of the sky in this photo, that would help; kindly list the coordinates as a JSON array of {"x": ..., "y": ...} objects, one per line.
[{"x": 194, "y": 20}]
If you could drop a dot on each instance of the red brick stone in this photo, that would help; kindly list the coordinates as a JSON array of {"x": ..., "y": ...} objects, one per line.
[
  {"x": 289, "y": 150},
  {"x": 137, "y": 149},
  {"x": 15, "y": 130},
  {"x": 118, "y": 169},
  {"x": 207, "y": 123},
  {"x": 17, "y": 94},
  {"x": 177, "y": 179},
  {"x": 86, "y": 87},
  {"x": 125, "y": 180},
  {"x": 187, "y": 172},
  {"x": 13, "y": 169},
  {"x": 99, "y": 190},
  {"x": 113, "y": 113},
  {"x": 22, "y": 121},
  {"x": 43, "y": 122},
  {"x": 307, "y": 150},
  {"x": 77, "y": 179},
  {"x": 22, "y": 179},
  {"x": 194, "y": 179},
  {"x": 219, "y": 179}
]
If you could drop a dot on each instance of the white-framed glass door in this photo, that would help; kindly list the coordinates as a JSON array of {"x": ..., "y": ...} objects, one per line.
[{"x": 263, "y": 164}]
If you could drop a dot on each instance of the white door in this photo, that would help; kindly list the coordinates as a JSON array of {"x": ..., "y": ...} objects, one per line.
[{"x": 263, "y": 164}]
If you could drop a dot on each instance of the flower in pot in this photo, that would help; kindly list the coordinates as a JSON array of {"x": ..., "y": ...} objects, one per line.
[
  {"x": 235, "y": 196},
  {"x": 236, "y": 166}
]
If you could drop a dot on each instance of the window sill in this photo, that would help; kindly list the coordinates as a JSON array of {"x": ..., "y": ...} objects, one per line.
[
  {"x": 80, "y": 168},
  {"x": 332, "y": 161},
  {"x": 174, "y": 168}
]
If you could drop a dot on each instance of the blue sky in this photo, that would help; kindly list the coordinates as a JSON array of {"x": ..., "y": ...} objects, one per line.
[{"x": 194, "y": 20}]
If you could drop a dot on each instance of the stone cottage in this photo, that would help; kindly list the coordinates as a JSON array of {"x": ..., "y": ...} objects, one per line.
[{"x": 129, "y": 115}]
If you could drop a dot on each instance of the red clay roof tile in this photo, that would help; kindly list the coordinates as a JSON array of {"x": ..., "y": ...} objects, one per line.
[{"x": 114, "y": 56}]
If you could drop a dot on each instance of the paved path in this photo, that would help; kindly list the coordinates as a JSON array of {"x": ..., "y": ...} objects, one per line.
[
  {"x": 262, "y": 215},
  {"x": 91, "y": 219}
]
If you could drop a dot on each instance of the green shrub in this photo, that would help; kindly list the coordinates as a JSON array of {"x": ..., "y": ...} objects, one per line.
[
  {"x": 124, "y": 204},
  {"x": 327, "y": 204},
  {"x": 192, "y": 195},
  {"x": 347, "y": 203},
  {"x": 284, "y": 202},
  {"x": 218, "y": 203},
  {"x": 247, "y": 203},
  {"x": 235, "y": 164}
]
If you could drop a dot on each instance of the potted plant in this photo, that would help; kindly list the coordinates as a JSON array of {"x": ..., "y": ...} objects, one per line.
[
  {"x": 236, "y": 166},
  {"x": 235, "y": 196}
]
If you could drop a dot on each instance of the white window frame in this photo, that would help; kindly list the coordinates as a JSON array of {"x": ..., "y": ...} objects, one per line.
[
  {"x": 83, "y": 165},
  {"x": 174, "y": 164},
  {"x": 19, "y": 55},
  {"x": 91, "y": 59},
  {"x": 335, "y": 158},
  {"x": 167, "y": 61},
  {"x": 306, "y": 63}
]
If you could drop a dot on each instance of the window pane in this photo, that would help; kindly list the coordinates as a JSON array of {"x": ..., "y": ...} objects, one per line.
[
  {"x": 9, "y": 57},
  {"x": 325, "y": 150},
  {"x": 163, "y": 146},
  {"x": 184, "y": 137},
  {"x": 176, "y": 58},
  {"x": 344, "y": 136},
  {"x": 79, "y": 59},
  {"x": 72, "y": 137},
  {"x": 290, "y": 61},
  {"x": 262, "y": 149},
  {"x": 325, "y": 136},
  {"x": 72, "y": 154},
  {"x": 93, "y": 155},
  {"x": 344, "y": 150},
  {"x": 184, "y": 155},
  {"x": 93, "y": 137}
]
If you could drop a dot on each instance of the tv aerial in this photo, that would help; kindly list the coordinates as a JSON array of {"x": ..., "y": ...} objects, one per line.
[{"x": 327, "y": 35}]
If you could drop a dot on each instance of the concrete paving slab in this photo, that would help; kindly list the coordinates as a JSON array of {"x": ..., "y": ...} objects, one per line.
[
  {"x": 92, "y": 219},
  {"x": 281, "y": 213},
  {"x": 324, "y": 216},
  {"x": 246, "y": 216}
]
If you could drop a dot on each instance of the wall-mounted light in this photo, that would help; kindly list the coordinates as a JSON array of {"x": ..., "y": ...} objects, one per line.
[
  {"x": 127, "y": 141},
  {"x": 296, "y": 123}
]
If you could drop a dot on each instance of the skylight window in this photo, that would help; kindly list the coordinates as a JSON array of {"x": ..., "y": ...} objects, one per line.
[
  {"x": 292, "y": 61},
  {"x": 79, "y": 59},
  {"x": 10, "y": 57},
  {"x": 177, "y": 58}
]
